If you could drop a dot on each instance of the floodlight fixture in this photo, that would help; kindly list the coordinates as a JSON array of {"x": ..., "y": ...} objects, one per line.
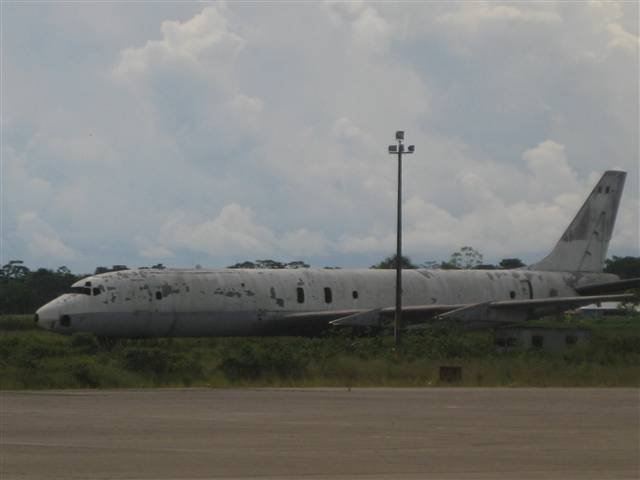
[
  {"x": 400, "y": 135},
  {"x": 412, "y": 148},
  {"x": 393, "y": 149}
]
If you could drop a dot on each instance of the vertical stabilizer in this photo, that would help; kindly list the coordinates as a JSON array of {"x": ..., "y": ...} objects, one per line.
[{"x": 583, "y": 246}]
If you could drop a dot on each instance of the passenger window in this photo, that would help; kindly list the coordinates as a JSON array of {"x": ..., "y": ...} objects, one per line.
[
  {"x": 512, "y": 294},
  {"x": 607, "y": 190},
  {"x": 96, "y": 291},
  {"x": 300, "y": 292},
  {"x": 328, "y": 298},
  {"x": 355, "y": 294},
  {"x": 158, "y": 295}
]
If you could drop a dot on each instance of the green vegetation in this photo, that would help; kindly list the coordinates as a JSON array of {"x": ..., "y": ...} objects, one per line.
[
  {"x": 23, "y": 290},
  {"x": 390, "y": 263},
  {"x": 268, "y": 263},
  {"x": 624, "y": 267},
  {"x": 34, "y": 359}
]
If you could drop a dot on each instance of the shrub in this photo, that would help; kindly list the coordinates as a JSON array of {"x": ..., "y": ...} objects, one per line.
[
  {"x": 85, "y": 372},
  {"x": 165, "y": 363},
  {"x": 154, "y": 360},
  {"x": 244, "y": 360},
  {"x": 27, "y": 349},
  {"x": 16, "y": 322},
  {"x": 85, "y": 343},
  {"x": 437, "y": 343}
]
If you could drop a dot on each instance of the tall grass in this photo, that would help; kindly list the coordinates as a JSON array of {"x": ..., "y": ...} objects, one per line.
[
  {"x": 33, "y": 359},
  {"x": 17, "y": 322}
]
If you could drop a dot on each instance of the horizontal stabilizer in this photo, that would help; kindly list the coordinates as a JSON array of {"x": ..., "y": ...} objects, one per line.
[
  {"x": 608, "y": 287},
  {"x": 559, "y": 302}
]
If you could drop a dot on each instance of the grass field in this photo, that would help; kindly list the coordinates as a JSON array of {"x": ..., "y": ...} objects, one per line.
[{"x": 35, "y": 359}]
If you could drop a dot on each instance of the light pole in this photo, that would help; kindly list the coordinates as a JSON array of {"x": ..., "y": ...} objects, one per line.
[{"x": 399, "y": 150}]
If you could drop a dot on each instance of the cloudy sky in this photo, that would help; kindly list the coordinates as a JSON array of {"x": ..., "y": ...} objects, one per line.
[{"x": 211, "y": 133}]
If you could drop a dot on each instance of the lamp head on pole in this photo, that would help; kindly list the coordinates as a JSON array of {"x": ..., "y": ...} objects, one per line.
[
  {"x": 393, "y": 149},
  {"x": 400, "y": 135}
]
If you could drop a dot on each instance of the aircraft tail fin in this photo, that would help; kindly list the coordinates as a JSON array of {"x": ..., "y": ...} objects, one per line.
[{"x": 583, "y": 246}]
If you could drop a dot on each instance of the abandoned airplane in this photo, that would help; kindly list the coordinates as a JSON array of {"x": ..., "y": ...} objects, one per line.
[{"x": 234, "y": 302}]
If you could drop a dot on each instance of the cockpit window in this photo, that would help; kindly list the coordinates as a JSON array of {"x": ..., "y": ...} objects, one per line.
[{"x": 82, "y": 290}]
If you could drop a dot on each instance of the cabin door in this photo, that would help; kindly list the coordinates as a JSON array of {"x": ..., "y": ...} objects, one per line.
[{"x": 526, "y": 290}]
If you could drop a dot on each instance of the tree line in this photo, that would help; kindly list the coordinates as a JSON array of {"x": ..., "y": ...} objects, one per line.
[
  {"x": 23, "y": 290},
  {"x": 464, "y": 259}
]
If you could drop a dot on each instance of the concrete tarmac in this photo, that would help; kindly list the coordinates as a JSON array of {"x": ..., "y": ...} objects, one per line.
[{"x": 366, "y": 434}]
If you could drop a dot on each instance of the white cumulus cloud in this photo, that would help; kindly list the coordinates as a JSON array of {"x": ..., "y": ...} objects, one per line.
[
  {"x": 43, "y": 242},
  {"x": 204, "y": 38},
  {"x": 235, "y": 231}
]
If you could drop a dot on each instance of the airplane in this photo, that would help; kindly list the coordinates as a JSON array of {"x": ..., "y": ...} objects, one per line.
[{"x": 142, "y": 303}]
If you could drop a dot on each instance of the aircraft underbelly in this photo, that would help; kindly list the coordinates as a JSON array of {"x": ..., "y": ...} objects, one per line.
[{"x": 167, "y": 324}]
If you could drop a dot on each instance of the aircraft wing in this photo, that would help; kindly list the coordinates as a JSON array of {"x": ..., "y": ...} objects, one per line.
[
  {"x": 378, "y": 317},
  {"x": 316, "y": 321},
  {"x": 305, "y": 323},
  {"x": 474, "y": 315}
]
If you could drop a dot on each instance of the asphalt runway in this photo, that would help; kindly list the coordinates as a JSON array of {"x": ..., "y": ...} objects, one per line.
[{"x": 435, "y": 433}]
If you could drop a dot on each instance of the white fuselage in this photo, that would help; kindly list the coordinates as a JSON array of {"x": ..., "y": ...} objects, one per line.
[{"x": 234, "y": 302}]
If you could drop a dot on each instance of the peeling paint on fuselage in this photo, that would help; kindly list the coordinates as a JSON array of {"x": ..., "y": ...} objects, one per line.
[{"x": 156, "y": 303}]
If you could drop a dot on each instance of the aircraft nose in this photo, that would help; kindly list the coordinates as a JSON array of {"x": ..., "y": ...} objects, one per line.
[{"x": 46, "y": 316}]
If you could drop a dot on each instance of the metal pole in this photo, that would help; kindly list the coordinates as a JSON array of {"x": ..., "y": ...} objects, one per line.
[
  {"x": 397, "y": 327},
  {"x": 398, "y": 319}
]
